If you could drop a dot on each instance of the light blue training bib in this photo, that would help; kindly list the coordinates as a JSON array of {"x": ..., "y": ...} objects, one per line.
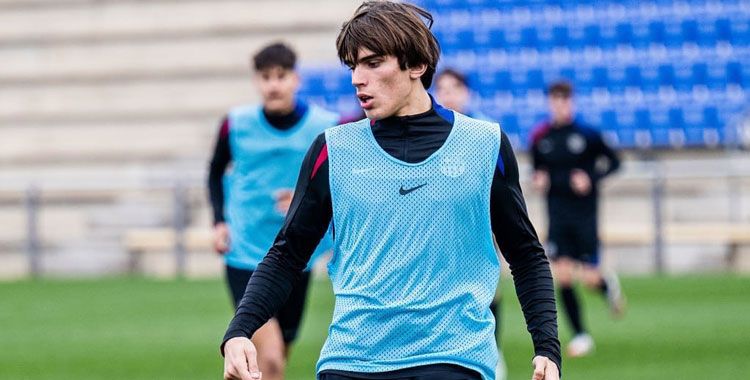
[
  {"x": 265, "y": 160},
  {"x": 414, "y": 268}
]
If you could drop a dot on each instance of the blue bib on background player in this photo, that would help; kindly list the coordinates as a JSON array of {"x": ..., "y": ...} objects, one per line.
[
  {"x": 414, "y": 268},
  {"x": 265, "y": 160}
]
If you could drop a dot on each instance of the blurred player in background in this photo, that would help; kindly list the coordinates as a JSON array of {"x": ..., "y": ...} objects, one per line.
[
  {"x": 265, "y": 144},
  {"x": 415, "y": 193},
  {"x": 567, "y": 167},
  {"x": 454, "y": 93}
]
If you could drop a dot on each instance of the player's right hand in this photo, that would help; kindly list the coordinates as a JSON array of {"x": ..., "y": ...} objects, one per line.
[
  {"x": 240, "y": 360},
  {"x": 221, "y": 238}
]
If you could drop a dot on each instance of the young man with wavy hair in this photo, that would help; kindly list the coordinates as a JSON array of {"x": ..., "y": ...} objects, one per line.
[{"x": 415, "y": 193}]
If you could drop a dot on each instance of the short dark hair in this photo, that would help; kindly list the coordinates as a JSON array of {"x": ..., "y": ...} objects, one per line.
[
  {"x": 391, "y": 28},
  {"x": 455, "y": 74},
  {"x": 561, "y": 88},
  {"x": 276, "y": 54}
]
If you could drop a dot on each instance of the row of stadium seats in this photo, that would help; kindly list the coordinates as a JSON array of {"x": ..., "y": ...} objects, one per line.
[
  {"x": 682, "y": 77},
  {"x": 649, "y": 74},
  {"x": 576, "y": 37},
  {"x": 523, "y": 9}
]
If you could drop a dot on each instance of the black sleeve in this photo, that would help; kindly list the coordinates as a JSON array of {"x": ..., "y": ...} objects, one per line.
[
  {"x": 306, "y": 223},
  {"x": 536, "y": 158},
  {"x": 219, "y": 162},
  {"x": 520, "y": 246},
  {"x": 603, "y": 149}
]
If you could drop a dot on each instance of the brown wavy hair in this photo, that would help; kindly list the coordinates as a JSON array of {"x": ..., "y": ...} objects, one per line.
[{"x": 390, "y": 28}]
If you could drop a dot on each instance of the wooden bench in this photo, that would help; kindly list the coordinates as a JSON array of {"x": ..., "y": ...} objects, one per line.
[{"x": 139, "y": 241}]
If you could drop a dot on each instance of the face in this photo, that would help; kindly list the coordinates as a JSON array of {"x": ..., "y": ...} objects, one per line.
[
  {"x": 451, "y": 93},
  {"x": 383, "y": 88},
  {"x": 277, "y": 87},
  {"x": 561, "y": 109}
]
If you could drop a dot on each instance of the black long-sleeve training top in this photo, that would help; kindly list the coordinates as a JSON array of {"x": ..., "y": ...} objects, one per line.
[
  {"x": 411, "y": 139},
  {"x": 561, "y": 149}
]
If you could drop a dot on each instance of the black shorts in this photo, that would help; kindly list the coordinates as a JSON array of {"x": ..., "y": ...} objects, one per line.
[
  {"x": 290, "y": 315},
  {"x": 576, "y": 239},
  {"x": 426, "y": 372}
]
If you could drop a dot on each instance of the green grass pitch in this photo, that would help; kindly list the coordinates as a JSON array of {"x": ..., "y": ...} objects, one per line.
[{"x": 687, "y": 327}]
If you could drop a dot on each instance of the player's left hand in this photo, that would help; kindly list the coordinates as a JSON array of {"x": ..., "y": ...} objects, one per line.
[
  {"x": 580, "y": 182},
  {"x": 283, "y": 199},
  {"x": 544, "y": 369}
]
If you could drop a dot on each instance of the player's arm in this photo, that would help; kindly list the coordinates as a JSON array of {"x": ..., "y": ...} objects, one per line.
[
  {"x": 219, "y": 162},
  {"x": 540, "y": 179},
  {"x": 602, "y": 149},
  {"x": 520, "y": 246},
  {"x": 272, "y": 282}
]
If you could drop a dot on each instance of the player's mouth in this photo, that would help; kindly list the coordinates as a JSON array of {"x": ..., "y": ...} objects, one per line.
[{"x": 365, "y": 101}]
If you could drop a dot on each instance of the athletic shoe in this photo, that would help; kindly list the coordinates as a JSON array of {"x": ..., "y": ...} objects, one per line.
[
  {"x": 615, "y": 298},
  {"x": 580, "y": 345}
]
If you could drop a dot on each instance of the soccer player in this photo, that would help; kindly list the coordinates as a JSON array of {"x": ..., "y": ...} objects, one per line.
[
  {"x": 263, "y": 142},
  {"x": 415, "y": 192},
  {"x": 565, "y": 155},
  {"x": 453, "y": 92}
]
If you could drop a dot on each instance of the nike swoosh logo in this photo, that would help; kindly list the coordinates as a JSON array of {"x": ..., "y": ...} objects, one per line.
[
  {"x": 403, "y": 191},
  {"x": 360, "y": 171}
]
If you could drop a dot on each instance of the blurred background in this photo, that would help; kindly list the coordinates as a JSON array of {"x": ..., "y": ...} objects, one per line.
[{"x": 109, "y": 112}]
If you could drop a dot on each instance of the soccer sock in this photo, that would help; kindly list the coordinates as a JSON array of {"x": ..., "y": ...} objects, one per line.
[
  {"x": 570, "y": 303},
  {"x": 603, "y": 286}
]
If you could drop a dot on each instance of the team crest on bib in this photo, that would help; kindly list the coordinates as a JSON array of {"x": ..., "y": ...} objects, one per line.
[
  {"x": 453, "y": 166},
  {"x": 576, "y": 143}
]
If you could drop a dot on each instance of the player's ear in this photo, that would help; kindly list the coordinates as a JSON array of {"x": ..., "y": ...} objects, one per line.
[{"x": 416, "y": 72}]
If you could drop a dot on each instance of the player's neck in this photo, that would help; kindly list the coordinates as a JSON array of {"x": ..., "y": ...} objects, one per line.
[
  {"x": 283, "y": 111},
  {"x": 561, "y": 123},
  {"x": 417, "y": 102}
]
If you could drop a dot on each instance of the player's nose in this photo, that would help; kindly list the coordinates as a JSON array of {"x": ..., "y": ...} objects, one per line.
[{"x": 358, "y": 78}]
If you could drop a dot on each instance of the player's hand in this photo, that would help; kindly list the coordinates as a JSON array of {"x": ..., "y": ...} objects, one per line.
[
  {"x": 580, "y": 182},
  {"x": 283, "y": 199},
  {"x": 541, "y": 180},
  {"x": 544, "y": 369},
  {"x": 221, "y": 238},
  {"x": 240, "y": 360}
]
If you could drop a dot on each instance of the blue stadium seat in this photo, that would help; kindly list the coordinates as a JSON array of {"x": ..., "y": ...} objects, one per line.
[
  {"x": 599, "y": 77},
  {"x": 694, "y": 137},
  {"x": 560, "y": 38},
  {"x": 633, "y": 77},
  {"x": 503, "y": 81},
  {"x": 711, "y": 118},
  {"x": 535, "y": 79},
  {"x": 592, "y": 35},
  {"x": 666, "y": 75},
  {"x": 625, "y": 34},
  {"x": 734, "y": 73},
  {"x": 529, "y": 39},
  {"x": 689, "y": 30},
  {"x": 723, "y": 30},
  {"x": 657, "y": 32},
  {"x": 700, "y": 74}
]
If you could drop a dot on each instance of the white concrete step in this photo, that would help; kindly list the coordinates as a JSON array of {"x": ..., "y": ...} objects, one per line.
[{"x": 134, "y": 19}]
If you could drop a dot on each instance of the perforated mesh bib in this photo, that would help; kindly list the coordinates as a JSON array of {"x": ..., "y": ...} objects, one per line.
[
  {"x": 265, "y": 160},
  {"x": 414, "y": 269}
]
